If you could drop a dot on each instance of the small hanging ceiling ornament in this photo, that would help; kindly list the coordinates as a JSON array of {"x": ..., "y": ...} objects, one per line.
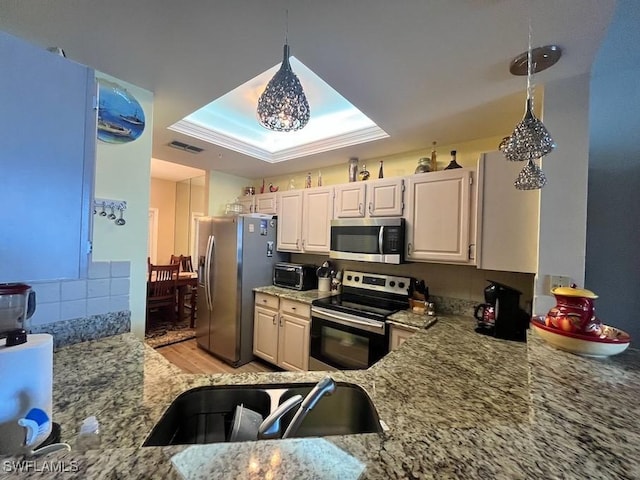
[{"x": 283, "y": 106}]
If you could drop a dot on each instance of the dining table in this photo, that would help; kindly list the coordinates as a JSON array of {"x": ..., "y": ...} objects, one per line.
[{"x": 187, "y": 282}]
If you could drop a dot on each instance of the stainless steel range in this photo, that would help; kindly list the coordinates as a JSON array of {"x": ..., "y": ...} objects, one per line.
[{"x": 349, "y": 331}]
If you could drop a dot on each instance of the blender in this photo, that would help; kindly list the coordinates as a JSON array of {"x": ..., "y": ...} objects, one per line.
[
  {"x": 26, "y": 370},
  {"x": 17, "y": 304}
]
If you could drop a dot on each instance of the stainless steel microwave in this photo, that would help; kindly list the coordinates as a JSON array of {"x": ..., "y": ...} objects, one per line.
[{"x": 378, "y": 240}]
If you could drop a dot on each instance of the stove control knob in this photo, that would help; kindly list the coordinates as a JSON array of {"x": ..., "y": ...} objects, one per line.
[
  {"x": 392, "y": 283},
  {"x": 401, "y": 285},
  {"x": 349, "y": 277},
  {"x": 357, "y": 279}
]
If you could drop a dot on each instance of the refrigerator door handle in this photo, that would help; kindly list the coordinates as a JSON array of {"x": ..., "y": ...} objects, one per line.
[
  {"x": 213, "y": 262},
  {"x": 207, "y": 271}
]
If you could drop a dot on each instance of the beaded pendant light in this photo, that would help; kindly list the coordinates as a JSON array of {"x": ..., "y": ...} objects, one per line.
[
  {"x": 530, "y": 139},
  {"x": 283, "y": 106}
]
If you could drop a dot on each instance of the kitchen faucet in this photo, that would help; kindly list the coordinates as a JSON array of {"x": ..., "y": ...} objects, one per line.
[{"x": 270, "y": 427}]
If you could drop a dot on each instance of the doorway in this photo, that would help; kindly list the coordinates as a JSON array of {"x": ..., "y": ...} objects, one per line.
[{"x": 152, "y": 238}]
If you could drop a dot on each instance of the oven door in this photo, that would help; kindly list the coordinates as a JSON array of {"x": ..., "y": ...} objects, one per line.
[{"x": 341, "y": 341}]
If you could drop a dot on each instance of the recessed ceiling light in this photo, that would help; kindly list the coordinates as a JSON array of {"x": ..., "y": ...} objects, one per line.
[{"x": 230, "y": 121}]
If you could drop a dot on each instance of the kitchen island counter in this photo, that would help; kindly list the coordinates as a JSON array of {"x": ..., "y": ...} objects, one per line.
[{"x": 458, "y": 405}]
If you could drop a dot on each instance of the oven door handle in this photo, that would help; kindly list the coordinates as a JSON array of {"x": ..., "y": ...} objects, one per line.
[{"x": 349, "y": 320}]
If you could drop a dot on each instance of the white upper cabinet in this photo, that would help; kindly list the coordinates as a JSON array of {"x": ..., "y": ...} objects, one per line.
[
  {"x": 265, "y": 203},
  {"x": 374, "y": 198},
  {"x": 439, "y": 216},
  {"x": 289, "y": 230},
  {"x": 350, "y": 200},
  {"x": 505, "y": 213},
  {"x": 317, "y": 213},
  {"x": 384, "y": 197},
  {"x": 304, "y": 220},
  {"x": 48, "y": 126}
]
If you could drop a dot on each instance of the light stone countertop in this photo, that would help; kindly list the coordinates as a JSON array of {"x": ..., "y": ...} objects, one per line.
[
  {"x": 304, "y": 296},
  {"x": 458, "y": 405}
]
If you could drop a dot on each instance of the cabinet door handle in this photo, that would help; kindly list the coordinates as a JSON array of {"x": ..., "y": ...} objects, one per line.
[
  {"x": 297, "y": 243},
  {"x": 409, "y": 248},
  {"x": 280, "y": 321},
  {"x": 360, "y": 211},
  {"x": 274, "y": 319},
  {"x": 303, "y": 243},
  {"x": 370, "y": 208}
]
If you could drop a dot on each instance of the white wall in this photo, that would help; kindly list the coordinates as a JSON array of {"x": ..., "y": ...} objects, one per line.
[
  {"x": 613, "y": 262},
  {"x": 563, "y": 201},
  {"x": 123, "y": 173},
  {"x": 223, "y": 189}
]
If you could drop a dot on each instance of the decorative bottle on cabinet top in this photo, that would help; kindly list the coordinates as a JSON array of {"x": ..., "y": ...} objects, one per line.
[
  {"x": 453, "y": 163},
  {"x": 380, "y": 171},
  {"x": 434, "y": 161},
  {"x": 364, "y": 173},
  {"x": 307, "y": 183},
  {"x": 353, "y": 169}
]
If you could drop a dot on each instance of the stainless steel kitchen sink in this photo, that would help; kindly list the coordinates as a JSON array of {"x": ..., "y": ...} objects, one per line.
[
  {"x": 205, "y": 414},
  {"x": 347, "y": 411}
]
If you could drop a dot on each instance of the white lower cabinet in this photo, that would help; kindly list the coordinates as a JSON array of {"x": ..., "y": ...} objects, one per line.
[
  {"x": 281, "y": 331},
  {"x": 398, "y": 335}
]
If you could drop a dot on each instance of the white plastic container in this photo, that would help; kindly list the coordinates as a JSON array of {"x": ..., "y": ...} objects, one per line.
[{"x": 89, "y": 437}]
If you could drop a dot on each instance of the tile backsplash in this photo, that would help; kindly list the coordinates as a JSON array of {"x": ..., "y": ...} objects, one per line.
[{"x": 105, "y": 290}]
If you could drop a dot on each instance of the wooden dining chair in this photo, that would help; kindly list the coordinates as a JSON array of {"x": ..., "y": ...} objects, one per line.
[
  {"x": 186, "y": 264},
  {"x": 162, "y": 285},
  {"x": 190, "y": 296},
  {"x": 176, "y": 259}
]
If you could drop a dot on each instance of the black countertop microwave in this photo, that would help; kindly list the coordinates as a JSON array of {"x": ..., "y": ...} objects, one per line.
[
  {"x": 378, "y": 240},
  {"x": 295, "y": 276}
]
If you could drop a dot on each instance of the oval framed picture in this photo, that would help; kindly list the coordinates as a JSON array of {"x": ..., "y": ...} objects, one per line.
[{"x": 120, "y": 115}]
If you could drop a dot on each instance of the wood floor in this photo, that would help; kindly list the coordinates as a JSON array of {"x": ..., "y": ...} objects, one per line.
[{"x": 191, "y": 359}]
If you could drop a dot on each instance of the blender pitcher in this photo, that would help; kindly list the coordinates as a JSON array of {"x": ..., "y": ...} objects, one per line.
[{"x": 17, "y": 304}]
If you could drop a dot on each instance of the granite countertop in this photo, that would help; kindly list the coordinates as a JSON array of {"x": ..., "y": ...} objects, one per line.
[
  {"x": 304, "y": 296},
  {"x": 458, "y": 405}
]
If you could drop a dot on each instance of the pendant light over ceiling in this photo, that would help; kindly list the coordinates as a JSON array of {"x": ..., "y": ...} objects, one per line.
[
  {"x": 530, "y": 139},
  {"x": 283, "y": 106}
]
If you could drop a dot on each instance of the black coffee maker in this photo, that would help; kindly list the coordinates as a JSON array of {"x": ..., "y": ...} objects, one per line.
[{"x": 501, "y": 315}]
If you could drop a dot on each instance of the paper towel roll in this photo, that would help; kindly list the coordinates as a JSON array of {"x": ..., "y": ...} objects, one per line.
[{"x": 26, "y": 376}]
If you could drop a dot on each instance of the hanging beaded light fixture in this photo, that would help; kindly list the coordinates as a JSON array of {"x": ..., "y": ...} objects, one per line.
[
  {"x": 530, "y": 139},
  {"x": 283, "y": 106},
  {"x": 530, "y": 178}
]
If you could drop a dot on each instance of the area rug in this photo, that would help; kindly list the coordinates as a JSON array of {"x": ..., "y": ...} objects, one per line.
[{"x": 164, "y": 332}]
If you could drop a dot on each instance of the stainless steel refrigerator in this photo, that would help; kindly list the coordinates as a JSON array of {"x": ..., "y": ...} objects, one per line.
[{"x": 235, "y": 254}]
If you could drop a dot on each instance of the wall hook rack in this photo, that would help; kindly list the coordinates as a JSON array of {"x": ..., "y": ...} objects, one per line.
[{"x": 106, "y": 207}]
